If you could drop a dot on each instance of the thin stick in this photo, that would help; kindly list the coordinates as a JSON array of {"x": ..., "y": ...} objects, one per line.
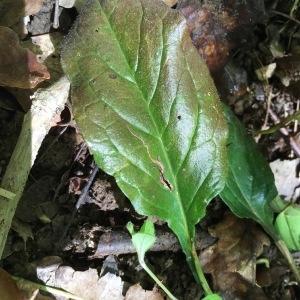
[
  {"x": 285, "y": 15},
  {"x": 78, "y": 204},
  {"x": 56, "y": 15}
]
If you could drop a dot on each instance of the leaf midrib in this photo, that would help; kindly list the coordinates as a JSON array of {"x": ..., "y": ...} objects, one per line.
[{"x": 169, "y": 166}]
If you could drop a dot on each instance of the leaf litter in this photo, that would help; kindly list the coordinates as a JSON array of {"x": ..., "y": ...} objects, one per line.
[
  {"x": 19, "y": 67},
  {"x": 112, "y": 219}
]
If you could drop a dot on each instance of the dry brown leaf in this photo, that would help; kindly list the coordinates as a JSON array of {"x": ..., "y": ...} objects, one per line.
[
  {"x": 286, "y": 178},
  {"x": 234, "y": 286},
  {"x": 240, "y": 242},
  {"x": 88, "y": 285},
  {"x": 137, "y": 292},
  {"x": 18, "y": 67},
  {"x": 13, "y": 11}
]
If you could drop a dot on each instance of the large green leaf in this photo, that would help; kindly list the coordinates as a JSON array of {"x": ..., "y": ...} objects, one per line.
[
  {"x": 148, "y": 108},
  {"x": 250, "y": 185}
]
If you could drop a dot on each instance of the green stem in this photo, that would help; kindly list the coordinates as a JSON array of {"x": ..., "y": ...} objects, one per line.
[
  {"x": 195, "y": 266},
  {"x": 145, "y": 267},
  {"x": 279, "y": 125},
  {"x": 286, "y": 253},
  {"x": 289, "y": 258}
]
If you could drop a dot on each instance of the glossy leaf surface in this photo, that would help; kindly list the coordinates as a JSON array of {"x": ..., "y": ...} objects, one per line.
[
  {"x": 148, "y": 108},
  {"x": 250, "y": 185}
]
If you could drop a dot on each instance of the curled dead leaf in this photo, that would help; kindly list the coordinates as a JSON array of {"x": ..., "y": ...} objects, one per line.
[
  {"x": 240, "y": 243},
  {"x": 18, "y": 67},
  {"x": 137, "y": 292}
]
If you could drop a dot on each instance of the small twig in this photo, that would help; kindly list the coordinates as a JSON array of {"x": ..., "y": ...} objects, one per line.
[
  {"x": 56, "y": 15},
  {"x": 117, "y": 242},
  {"x": 285, "y": 15},
  {"x": 294, "y": 146},
  {"x": 67, "y": 173},
  {"x": 285, "y": 132},
  {"x": 269, "y": 98},
  {"x": 296, "y": 120},
  {"x": 78, "y": 204}
]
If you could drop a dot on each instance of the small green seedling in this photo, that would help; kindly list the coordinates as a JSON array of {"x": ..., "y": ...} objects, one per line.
[{"x": 142, "y": 241}]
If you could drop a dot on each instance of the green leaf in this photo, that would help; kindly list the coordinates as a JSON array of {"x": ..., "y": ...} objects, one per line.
[
  {"x": 250, "y": 185},
  {"x": 287, "y": 225},
  {"x": 142, "y": 240},
  {"x": 148, "y": 109}
]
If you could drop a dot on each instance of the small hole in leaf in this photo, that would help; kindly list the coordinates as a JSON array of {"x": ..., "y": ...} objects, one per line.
[
  {"x": 179, "y": 117},
  {"x": 96, "y": 30},
  {"x": 112, "y": 76}
]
